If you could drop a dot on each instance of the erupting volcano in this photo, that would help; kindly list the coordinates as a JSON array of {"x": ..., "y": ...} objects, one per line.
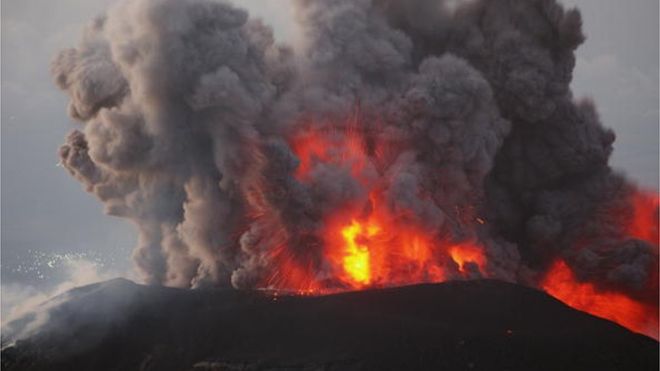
[
  {"x": 402, "y": 142},
  {"x": 368, "y": 245},
  {"x": 628, "y": 312},
  {"x": 366, "y": 242}
]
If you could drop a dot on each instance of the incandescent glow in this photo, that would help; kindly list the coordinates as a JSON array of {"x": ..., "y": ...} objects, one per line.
[
  {"x": 369, "y": 242},
  {"x": 356, "y": 261},
  {"x": 644, "y": 222},
  {"x": 561, "y": 283},
  {"x": 466, "y": 254},
  {"x": 394, "y": 150},
  {"x": 380, "y": 248},
  {"x": 639, "y": 220}
]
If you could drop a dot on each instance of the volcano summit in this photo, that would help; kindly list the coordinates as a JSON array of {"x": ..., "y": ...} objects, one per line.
[
  {"x": 459, "y": 325},
  {"x": 403, "y": 142}
]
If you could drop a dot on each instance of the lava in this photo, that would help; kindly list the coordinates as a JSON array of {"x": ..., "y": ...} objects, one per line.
[
  {"x": 381, "y": 249},
  {"x": 467, "y": 254},
  {"x": 644, "y": 222},
  {"x": 340, "y": 148},
  {"x": 367, "y": 243},
  {"x": 356, "y": 261},
  {"x": 638, "y": 220},
  {"x": 561, "y": 283}
]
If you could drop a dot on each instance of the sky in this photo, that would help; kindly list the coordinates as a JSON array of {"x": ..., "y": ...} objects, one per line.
[{"x": 51, "y": 227}]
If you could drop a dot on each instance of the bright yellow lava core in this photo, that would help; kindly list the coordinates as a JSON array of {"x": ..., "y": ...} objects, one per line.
[{"x": 356, "y": 260}]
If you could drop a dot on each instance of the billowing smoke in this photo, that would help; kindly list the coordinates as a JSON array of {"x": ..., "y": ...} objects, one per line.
[{"x": 194, "y": 121}]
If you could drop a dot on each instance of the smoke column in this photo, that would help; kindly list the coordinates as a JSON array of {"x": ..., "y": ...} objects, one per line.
[{"x": 234, "y": 156}]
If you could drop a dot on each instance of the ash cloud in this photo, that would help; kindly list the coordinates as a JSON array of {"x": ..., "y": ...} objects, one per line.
[{"x": 187, "y": 108}]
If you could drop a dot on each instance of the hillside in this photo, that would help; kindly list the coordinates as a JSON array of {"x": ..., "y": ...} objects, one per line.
[{"x": 462, "y": 325}]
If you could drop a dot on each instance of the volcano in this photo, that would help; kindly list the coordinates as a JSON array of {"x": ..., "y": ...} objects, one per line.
[
  {"x": 399, "y": 143},
  {"x": 429, "y": 143},
  {"x": 458, "y": 325}
]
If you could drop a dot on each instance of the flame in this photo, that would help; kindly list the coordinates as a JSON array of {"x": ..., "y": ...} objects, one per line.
[
  {"x": 356, "y": 261},
  {"x": 380, "y": 249},
  {"x": 463, "y": 255},
  {"x": 644, "y": 221},
  {"x": 561, "y": 283},
  {"x": 639, "y": 219},
  {"x": 369, "y": 243}
]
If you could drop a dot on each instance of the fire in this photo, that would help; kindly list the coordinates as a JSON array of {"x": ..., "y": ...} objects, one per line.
[
  {"x": 368, "y": 243},
  {"x": 380, "y": 249},
  {"x": 561, "y": 283},
  {"x": 638, "y": 220},
  {"x": 462, "y": 255},
  {"x": 644, "y": 222},
  {"x": 356, "y": 261}
]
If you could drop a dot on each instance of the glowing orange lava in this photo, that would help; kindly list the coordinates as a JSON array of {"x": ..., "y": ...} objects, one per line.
[
  {"x": 367, "y": 242},
  {"x": 464, "y": 254},
  {"x": 561, "y": 283},
  {"x": 383, "y": 249},
  {"x": 644, "y": 222},
  {"x": 356, "y": 259}
]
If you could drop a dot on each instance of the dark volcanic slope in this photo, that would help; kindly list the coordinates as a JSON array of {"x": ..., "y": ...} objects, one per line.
[{"x": 474, "y": 325}]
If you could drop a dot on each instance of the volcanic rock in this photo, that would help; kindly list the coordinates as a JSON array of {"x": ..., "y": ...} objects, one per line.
[{"x": 459, "y": 325}]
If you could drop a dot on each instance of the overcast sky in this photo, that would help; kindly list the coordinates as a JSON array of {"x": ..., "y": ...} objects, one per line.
[{"x": 47, "y": 218}]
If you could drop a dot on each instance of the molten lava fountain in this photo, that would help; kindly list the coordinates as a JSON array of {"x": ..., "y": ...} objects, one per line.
[{"x": 366, "y": 243}]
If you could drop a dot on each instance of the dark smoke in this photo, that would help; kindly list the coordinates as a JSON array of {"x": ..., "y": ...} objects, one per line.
[{"x": 187, "y": 106}]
